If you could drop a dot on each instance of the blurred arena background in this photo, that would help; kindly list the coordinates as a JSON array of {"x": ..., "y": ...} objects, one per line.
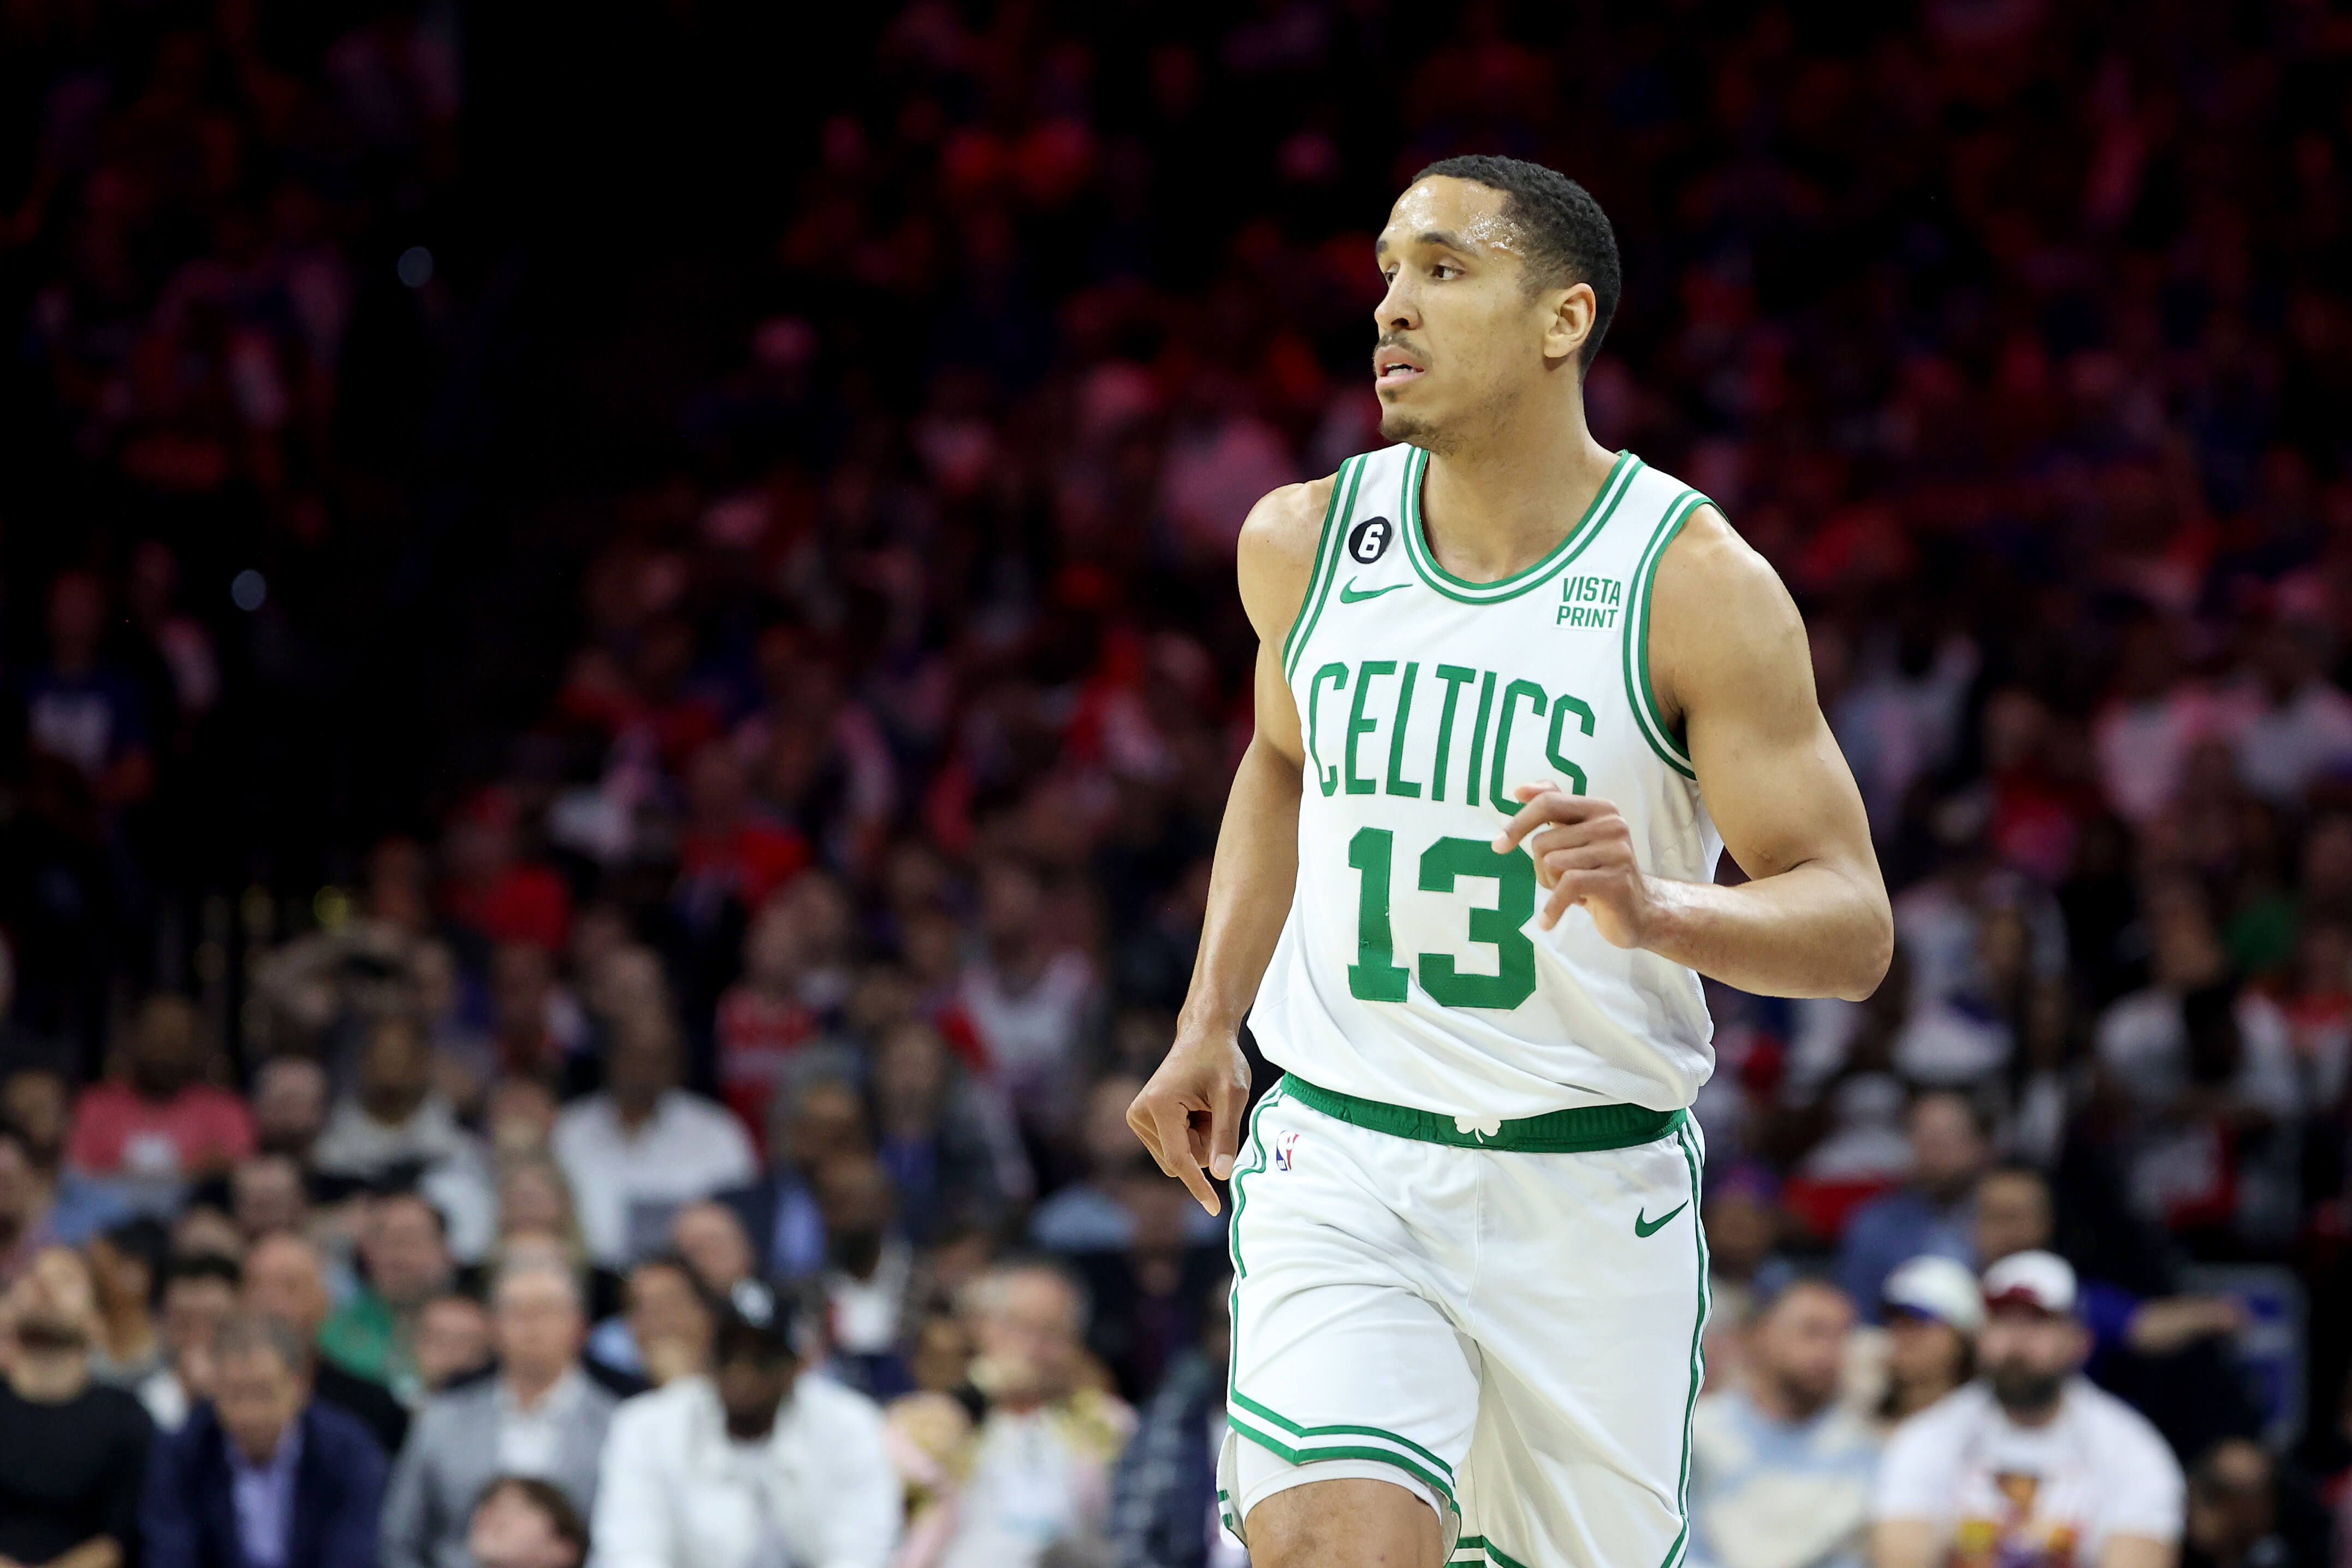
[{"x": 694, "y": 541}]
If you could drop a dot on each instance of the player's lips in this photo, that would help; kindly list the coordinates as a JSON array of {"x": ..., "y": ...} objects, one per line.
[{"x": 1394, "y": 365}]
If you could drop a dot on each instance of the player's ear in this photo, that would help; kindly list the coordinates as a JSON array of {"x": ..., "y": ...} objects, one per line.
[{"x": 1568, "y": 321}]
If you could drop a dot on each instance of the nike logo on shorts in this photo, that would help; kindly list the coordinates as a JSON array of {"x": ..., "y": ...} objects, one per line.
[
  {"x": 1644, "y": 1226},
  {"x": 1348, "y": 594}
]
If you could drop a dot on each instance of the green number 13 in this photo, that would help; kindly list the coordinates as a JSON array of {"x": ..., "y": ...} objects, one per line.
[{"x": 1376, "y": 976}]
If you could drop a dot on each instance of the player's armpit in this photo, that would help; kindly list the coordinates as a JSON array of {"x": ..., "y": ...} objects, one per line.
[{"x": 1729, "y": 662}]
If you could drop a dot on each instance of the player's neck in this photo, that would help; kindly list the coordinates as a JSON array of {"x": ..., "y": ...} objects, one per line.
[{"x": 1499, "y": 505}]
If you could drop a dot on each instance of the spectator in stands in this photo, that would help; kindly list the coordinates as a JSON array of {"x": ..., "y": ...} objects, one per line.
[
  {"x": 1144, "y": 1299},
  {"x": 1929, "y": 1215},
  {"x": 1781, "y": 1471},
  {"x": 72, "y": 1451},
  {"x": 523, "y": 1523},
  {"x": 1933, "y": 1309},
  {"x": 200, "y": 1294},
  {"x": 821, "y": 1117},
  {"x": 756, "y": 1464},
  {"x": 1164, "y": 1507},
  {"x": 1090, "y": 1214},
  {"x": 869, "y": 1273},
  {"x": 540, "y": 1418},
  {"x": 1039, "y": 1472},
  {"x": 81, "y": 709},
  {"x": 643, "y": 1145},
  {"x": 946, "y": 1140},
  {"x": 37, "y": 1100},
  {"x": 23, "y": 1207},
  {"x": 664, "y": 1333},
  {"x": 126, "y": 1264},
  {"x": 289, "y": 1106},
  {"x": 393, "y": 1124},
  {"x": 165, "y": 1124},
  {"x": 264, "y": 1476},
  {"x": 404, "y": 1250},
  {"x": 453, "y": 1343},
  {"x": 1028, "y": 999},
  {"x": 284, "y": 1279},
  {"x": 266, "y": 1197},
  {"x": 762, "y": 1020},
  {"x": 2031, "y": 1463},
  {"x": 709, "y": 1237},
  {"x": 2233, "y": 1518}
]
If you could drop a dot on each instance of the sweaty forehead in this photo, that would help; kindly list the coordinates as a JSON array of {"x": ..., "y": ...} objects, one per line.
[{"x": 1443, "y": 210}]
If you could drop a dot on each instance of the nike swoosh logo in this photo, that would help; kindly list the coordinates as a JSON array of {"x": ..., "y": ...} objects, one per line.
[
  {"x": 1644, "y": 1226},
  {"x": 1348, "y": 595}
]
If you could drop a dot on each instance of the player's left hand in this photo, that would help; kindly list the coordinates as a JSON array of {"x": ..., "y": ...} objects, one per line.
[{"x": 1583, "y": 853}]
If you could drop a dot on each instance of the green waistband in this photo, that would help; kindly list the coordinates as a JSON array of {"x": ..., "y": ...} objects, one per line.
[{"x": 1577, "y": 1131}]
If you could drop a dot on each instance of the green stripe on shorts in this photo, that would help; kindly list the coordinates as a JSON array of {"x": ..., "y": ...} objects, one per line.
[{"x": 1580, "y": 1130}]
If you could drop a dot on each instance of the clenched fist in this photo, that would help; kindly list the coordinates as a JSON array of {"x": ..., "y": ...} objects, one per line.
[{"x": 1584, "y": 854}]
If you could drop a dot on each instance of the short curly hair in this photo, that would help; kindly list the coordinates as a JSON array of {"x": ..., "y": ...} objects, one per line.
[{"x": 1569, "y": 237}]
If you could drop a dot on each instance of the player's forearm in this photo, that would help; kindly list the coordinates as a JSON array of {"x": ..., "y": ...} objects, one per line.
[
  {"x": 1249, "y": 893},
  {"x": 1814, "y": 930}
]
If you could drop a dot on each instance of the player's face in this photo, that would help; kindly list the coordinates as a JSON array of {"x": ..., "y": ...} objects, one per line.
[{"x": 1461, "y": 336}]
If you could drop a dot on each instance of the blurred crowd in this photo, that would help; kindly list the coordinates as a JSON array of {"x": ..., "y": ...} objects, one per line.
[{"x": 696, "y": 1129}]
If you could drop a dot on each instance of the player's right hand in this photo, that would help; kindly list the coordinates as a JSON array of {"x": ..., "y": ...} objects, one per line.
[{"x": 1190, "y": 1114}]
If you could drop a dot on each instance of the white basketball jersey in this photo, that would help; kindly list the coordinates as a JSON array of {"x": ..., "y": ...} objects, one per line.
[{"x": 1412, "y": 969}]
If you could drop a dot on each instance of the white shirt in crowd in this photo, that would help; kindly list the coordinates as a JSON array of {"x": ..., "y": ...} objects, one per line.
[
  {"x": 688, "y": 1148},
  {"x": 530, "y": 1442},
  {"x": 678, "y": 1492},
  {"x": 2032, "y": 1496},
  {"x": 457, "y": 1174}
]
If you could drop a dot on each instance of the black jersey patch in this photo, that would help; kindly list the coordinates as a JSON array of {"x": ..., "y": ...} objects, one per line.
[{"x": 1369, "y": 540}]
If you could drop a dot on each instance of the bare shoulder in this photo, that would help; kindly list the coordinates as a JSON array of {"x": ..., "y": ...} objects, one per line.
[
  {"x": 1722, "y": 624},
  {"x": 1276, "y": 556}
]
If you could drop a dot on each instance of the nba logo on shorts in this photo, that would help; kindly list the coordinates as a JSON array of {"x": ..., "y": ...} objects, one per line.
[{"x": 1286, "y": 1145}]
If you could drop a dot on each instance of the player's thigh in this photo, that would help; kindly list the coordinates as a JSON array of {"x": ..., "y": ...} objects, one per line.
[
  {"x": 1344, "y": 1525},
  {"x": 1589, "y": 1308},
  {"x": 1340, "y": 1350}
]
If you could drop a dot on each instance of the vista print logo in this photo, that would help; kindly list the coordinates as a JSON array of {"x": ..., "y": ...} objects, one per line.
[{"x": 1369, "y": 540}]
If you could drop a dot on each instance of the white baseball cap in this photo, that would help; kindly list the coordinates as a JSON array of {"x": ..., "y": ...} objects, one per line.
[
  {"x": 2041, "y": 1280},
  {"x": 1937, "y": 1287}
]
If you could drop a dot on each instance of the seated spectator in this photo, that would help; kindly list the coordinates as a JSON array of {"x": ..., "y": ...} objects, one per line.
[
  {"x": 1145, "y": 1299},
  {"x": 37, "y": 1101},
  {"x": 289, "y": 1106},
  {"x": 1933, "y": 1309},
  {"x": 404, "y": 1253},
  {"x": 165, "y": 1126},
  {"x": 867, "y": 1273},
  {"x": 1742, "y": 1216},
  {"x": 72, "y": 1451},
  {"x": 1780, "y": 1470},
  {"x": 663, "y": 1333},
  {"x": 948, "y": 1141},
  {"x": 2235, "y": 1517},
  {"x": 264, "y": 1476},
  {"x": 521, "y": 1522},
  {"x": 1028, "y": 999},
  {"x": 126, "y": 1263},
  {"x": 538, "y": 1418},
  {"x": 762, "y": 1020},
  {"x": 453, "y": 1341},
  {"x": 1039, "y": 1472},
  {"x": 200, "y": 1294},
  {"x": 1163, "y": 1508},
  {"x": 644, "y": 1146},
  {"x": 267, "y": 1195},
  {"x": 393, "y": 1125},
  {"x": 709, "y": 1237},
  {"x": 820, "y": 1118},
  {"x": 284, "y": 1279},
  {"x": 1928, "y": 1214},
  {"x": 2030, "y": 1464},
  {"x": 23, "y": 1207},
  {"x": 754, "y": 1465},
  {"x": 1089, "y": 1214}
]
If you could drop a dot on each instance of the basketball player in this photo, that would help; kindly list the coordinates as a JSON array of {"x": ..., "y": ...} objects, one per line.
[{"x": 1514, "y": 692}]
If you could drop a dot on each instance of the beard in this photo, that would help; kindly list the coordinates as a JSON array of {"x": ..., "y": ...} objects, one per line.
[{"x": 2024, "y": 1390}]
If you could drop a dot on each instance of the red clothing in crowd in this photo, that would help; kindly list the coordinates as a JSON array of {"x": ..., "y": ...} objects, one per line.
[
  {"x": 750, "y": 860},
  {"x": 527, "y": 904},
  {"x": 758, "y": 1033},
  {"x": 119, "y": 1132}
]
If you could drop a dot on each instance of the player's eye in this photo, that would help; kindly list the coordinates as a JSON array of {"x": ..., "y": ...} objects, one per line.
[{"x": 1445, "y": 269}]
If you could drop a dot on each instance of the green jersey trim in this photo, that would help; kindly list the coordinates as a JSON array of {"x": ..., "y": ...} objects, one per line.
[
  {"x": 1576, "y": 1131},
  {"x": 1639, "y": 693},
  {"x": 1572, "y": 545},
  {"x": 1697, "y": 1363},
  {"x": 1335, "y": 513}
]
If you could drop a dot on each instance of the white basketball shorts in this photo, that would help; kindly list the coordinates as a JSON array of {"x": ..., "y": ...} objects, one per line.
[{"x": 1504, "y": 1319}]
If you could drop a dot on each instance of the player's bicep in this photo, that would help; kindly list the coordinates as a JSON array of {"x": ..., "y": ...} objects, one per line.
[
  {"x": 1741, "y": 675},
  {"x": 1277, "y": 709}
]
